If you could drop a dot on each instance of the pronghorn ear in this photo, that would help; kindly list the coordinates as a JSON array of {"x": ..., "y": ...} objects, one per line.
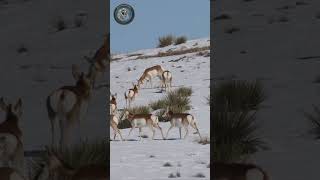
[
  {"x": 18, "y": 107},
  {"x": 75, "y": 72},
  {"x": 3, "y": 105}
]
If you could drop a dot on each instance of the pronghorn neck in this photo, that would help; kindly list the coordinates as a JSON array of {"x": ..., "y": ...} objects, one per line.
[{"x": 113, "y": 101}]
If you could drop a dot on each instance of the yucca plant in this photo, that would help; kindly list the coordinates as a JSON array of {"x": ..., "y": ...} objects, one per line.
[
  {"x": 238, "y": 95},
  {"x": 165, "y": 41},
  {"x": 180, "y": 40},
  {"x": 235, "y": 135},
  {"x": 314, "y": 119}
]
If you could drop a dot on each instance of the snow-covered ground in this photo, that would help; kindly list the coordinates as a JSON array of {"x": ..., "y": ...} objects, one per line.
[
  {"x": 272, "y": 36},
  {"x": 144, "y": 160}
]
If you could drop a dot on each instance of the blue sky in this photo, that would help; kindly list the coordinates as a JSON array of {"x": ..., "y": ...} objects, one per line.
[{"x": 155, "y": 18}]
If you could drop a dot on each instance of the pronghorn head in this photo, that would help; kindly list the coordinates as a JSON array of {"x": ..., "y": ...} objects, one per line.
[
  {"x": 113, "y": 97},
  {"x": 127, "y": 115},
  {"x": 135, "y": 88},
  {"x": 13, "y": 112},
  {"x": 82, "y": 80},
  {"x": 167, "y": 114}
]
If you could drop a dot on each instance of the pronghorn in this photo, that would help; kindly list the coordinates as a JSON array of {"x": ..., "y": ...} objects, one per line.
[
  {"x": 181, "y": 120},
  {"x": 98, "y": 63},
  {"x": 131, "y": 94},
  {"x": 149, "y": 73},
  {"x": 114, "y": 124},
  {"x": 56, "y": 166},
  {"x": 113, "y": 104},
  {"x": 69, "y": 104},
  {"x": 7, "y": 173},
  {"x": 12, "y": 153},
  {"x": 237, "y": 171},
  {"x": 142, "y": 120},
  {"x": 167, "y": 80}
]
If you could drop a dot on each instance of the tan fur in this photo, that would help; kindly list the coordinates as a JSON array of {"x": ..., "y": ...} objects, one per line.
[
  {"x": 69, "y": 104},
  {"x": 143, "y": 120},
  {"x": 181, "y": 120},
  {"x": 149, "y": 73},
  {"x": 130, "y": 95},
  {"x": 167, "y": 80},
  {"x": 113, "y": 104},
  {"x": 235, "y": 171},
  {"x": 114, "y": 125},
  {"x": 12, "y": 153}
]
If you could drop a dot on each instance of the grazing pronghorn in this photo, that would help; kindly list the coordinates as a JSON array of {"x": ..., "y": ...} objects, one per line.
[
  {"x": 238, "y": 171},
  {"x": 131, "y": 94},
  {"x": 181, "y": 120},
  {"x": 7, "y": 173},
  {"x": 142, "y": 120},
  {"x": 114, "y": 124},
  {"x": 55, "y": 166},
  {"x": 12, "y": 153},
  {"x": 167, "y": 80},
  {"x": 113, "y": 104},
  {"x": 98, "y": 63},
  {"x": 69, "y": 104},
  {"x": 149, "y": 73}
]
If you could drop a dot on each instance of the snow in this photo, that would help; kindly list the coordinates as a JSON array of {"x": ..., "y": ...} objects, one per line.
[
  {"x": 272, "y": 52},
  {"x": 131, "y": 159}
]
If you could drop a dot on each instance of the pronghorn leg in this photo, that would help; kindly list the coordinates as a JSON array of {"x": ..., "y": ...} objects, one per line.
[
  {"x": 187, "y": 132},
  {"x": 194, "y": 125},
  {"x": 180, "y": 132},
  {"x": 157, "y": 126},
  {"x": 168, "y": 131},
  {"x": 130, "y": 132},
  {"x": 153, "y": 131},
  {"x": 140, "y": 130},
  {"x": 120, "y": 134},
  {"x": 115, "y": 134}
]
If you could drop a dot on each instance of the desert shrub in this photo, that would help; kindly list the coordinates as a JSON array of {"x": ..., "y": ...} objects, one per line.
[
  {"x": 235, "y": 135},
  {"x": 165, "y": 41},
  {"x": 22, "y": 49},
  {"x": 180, "y": 40},
  {"x": 314, "y": 119},
  {"x": 236, "y": 95},
  {"x": 59, "y": 24}
]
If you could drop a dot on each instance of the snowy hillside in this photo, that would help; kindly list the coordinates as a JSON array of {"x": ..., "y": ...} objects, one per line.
[
  {"x": 265, "y": 40},
  {"x": 147, "y": 159}
]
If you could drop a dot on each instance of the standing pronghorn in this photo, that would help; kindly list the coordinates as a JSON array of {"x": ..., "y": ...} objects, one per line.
[
  {"x": 143, "y": 120},
  {"x": 12, "y": 153},
  {"x": 98, "y": 63},
  {"x": 113, "y": 104},
  {"x": 7, "y": 173},
  {"x": 149, "y": 73},
  {"x": 167, "y": 80},
  {"x": 69, "y": 104},
  {"x": 181, "y": 120},
  {"x": 55, "y": 166},
  {"x": 237, "y": 171},
  {"x": 131, "y": 94},
  {"x": 114, "y": 124}
]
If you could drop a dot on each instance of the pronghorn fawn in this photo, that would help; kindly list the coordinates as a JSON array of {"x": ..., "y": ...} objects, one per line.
[
  {"x": 166, "y": 80},
  {"x": 58, "y": 168},
  {"x": 131, "y": 94},
  {"x": 143, "y": 120},
  {"x": 181, "y": 120},
  {"x": 69, "y": 105},
  {"x": 7, "y": 173},
  {"x": 114, "y": 125},
  {"x": 238, "y": 171},
  {"x": 113, "y": 104},
  {"x": 149, "y": 73},
  {"x": 98, "y": 63},
  {"x": 12, "y": 152}
]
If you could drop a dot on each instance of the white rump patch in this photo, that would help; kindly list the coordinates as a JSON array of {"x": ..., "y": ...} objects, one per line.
[
  {"x": 68, "y": 102},
  {"x": 254, "y": 174}
]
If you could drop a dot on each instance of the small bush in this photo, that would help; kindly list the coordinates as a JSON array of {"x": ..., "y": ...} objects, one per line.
[
  {"x": 238, "y": 95},
  {"x": 165, "y": 41},
  {"x": 235, "y": 135},
  {"x": 167, "y": 164},
  {"x": 314, "y": 118},
  {"x": 22, "y": 49},
  {"x": 180, "y": 40},
  {"x": 199, "y": 175}
]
